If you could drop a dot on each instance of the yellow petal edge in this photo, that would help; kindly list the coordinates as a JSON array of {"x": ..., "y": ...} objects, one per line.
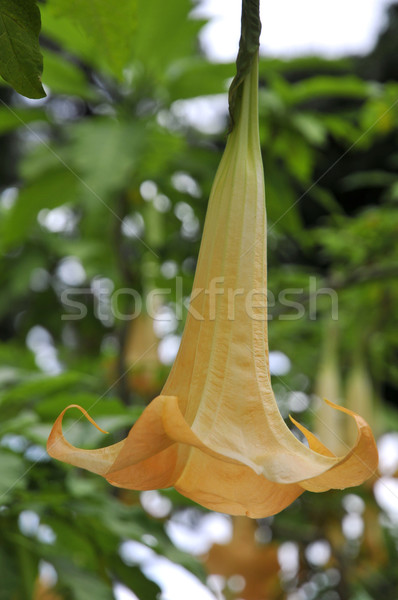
[{"x": 215, "y": 433}]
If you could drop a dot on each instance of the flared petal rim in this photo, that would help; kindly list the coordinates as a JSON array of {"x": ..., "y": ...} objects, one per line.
[
  {"x": 358, "y": 465},
  {"x": 232, "y": 488},
  {"x": 161, "y": 450}
]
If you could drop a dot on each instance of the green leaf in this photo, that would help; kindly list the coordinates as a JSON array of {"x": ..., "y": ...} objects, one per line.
[
  {"x": 392, "y": 194},
  {"x": 108, "y": 25},
  {"x": 193, "y": 77},
  {"x": 297, "y": 154},
  {"x": 63, "y": 77},
  {"x": 368, "y": 179},
  {"x": 9, "y": 575},
  {"x": 135, "y": 580},
  {"x": 72, "y": 543},
  {"x": 326, "y": 199},
  {"x": 310, "y": 127},
  {"x": 21, "y": 62},
  {"x": 331, "y": 87},
  {"x": 104, "y": 152},
  {"x": 281, "y": 202},
  {"x": 19, "y": 424},
  {"x": 165, "y": 34},
  {"x": 52, "y": 406},
  {"x": 17, "y": 357},
  {"x": 84, "y": 585},
  {"x": 8, "y": 375},
  {"x": 17, "y": 117},
  {"x": 39, "y": 385},
  {"x": 304, "y": 64},
  {"x": 61, "y": 29},
  {"x": 55, "y": 188},
  {"x": 12, "y": 470},
  {"x": 18, "y": 281},
  {"x": 341, "y": 129}
]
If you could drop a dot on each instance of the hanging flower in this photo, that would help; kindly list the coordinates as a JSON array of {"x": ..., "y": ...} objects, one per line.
[
  {"x": 328, "y": 424},
  {"x": 360, "y": 394},
  {"x": 215, "y": 433}
]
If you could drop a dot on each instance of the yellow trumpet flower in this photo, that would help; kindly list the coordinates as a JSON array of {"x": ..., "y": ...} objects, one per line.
[
  {"x": 329, "y": 424},
  {"x": 215, "y": 433}
]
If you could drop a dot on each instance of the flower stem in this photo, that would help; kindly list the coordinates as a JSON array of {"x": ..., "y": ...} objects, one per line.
[{"x": 248, "y": 48}]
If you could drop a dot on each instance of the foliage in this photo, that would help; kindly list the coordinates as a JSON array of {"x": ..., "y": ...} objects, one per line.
[
  {"x": 22, "y": 62},
  {"x": 104, "y": 187}
]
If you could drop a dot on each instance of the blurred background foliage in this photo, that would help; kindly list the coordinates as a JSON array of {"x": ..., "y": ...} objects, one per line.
[{"x": 103, "y": 192}]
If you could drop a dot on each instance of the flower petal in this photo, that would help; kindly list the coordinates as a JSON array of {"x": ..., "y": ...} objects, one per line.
[
  {"x": 313, "y": 442},
  {"x": 195, "y": 470},
  {"x": 268, "y": 452},
  {"x": 355, "y": 467},
  {"x": 98, "y": 461},
  {"x": 231, "y": 488},
  {"x": 157, "y": 447},
  {"x": 156, "y": 472}
]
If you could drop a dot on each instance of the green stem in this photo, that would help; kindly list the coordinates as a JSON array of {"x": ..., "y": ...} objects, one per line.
[{"x": 248, "y": 47}]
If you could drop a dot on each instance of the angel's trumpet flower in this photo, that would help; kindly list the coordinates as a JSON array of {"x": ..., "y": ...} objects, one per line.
[
  {"x": 360, "y": 395},
  {"x": 141, "y": 357},
  {"x": 215, "y": 433},
  {"x": 329, "y": 424}
]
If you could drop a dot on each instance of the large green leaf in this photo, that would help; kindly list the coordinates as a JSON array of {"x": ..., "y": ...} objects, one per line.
[
  {"x": 193, "y": 77},
  {"x": 64, "y": 31},
  {"x": 108, "y": 25},
  {"x": 321, "y": 86},
  {"x": 64, "y": 77},
  {"x": 40, "y": 385},
  {"x": 305, "y": 64},
  {"x": 21, "y": 62},
  {"x": 105, "y": 152},
  {"x": 368, "y": 179},
  {"x": 108, "y": 154},
  {"x": 165, "y": 33}
]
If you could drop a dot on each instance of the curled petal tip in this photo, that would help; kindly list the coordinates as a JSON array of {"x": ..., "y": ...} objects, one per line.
[
  {"x": 357, "y": 465},
  {"x": 97, "y": 461},
  {"x": 85, "y": 413}
]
